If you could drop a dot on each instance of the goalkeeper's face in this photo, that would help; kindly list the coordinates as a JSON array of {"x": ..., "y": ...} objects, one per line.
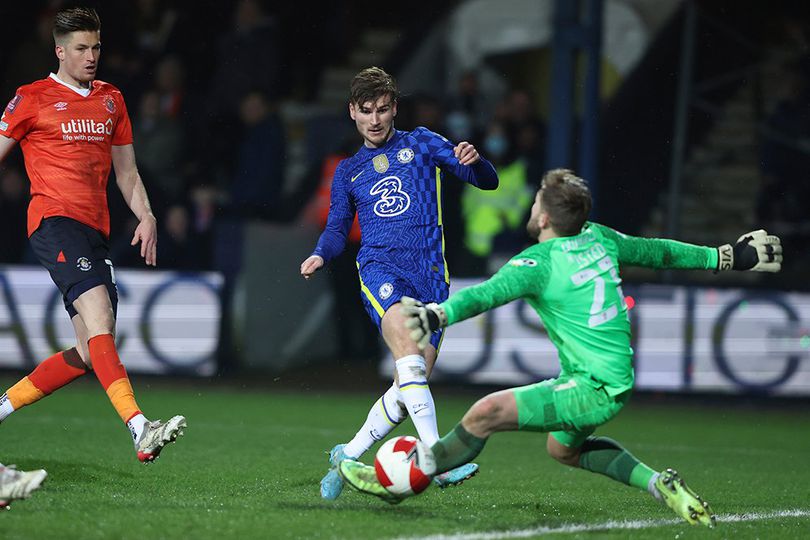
[
  {"x": 534, "y": 225},
  {"x": 374, "y": 120}
]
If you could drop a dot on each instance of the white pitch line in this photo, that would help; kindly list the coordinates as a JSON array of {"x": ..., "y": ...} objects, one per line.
[{"x": 606, "y": 526}]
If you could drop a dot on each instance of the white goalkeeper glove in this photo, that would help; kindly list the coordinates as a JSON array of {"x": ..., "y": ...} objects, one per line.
[
  {"x": 756, "y": 251},
  {"x": 422, "y": 320}
]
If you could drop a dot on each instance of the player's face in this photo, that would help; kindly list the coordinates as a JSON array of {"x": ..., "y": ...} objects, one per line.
[
  {"x": 534, "y": 225},
  {"x": 374, "y": 120},
  {"x": 78, "y": 56}
]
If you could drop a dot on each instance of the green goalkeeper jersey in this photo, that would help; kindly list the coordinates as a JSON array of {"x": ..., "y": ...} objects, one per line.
[{"x": 573, "y": 284}]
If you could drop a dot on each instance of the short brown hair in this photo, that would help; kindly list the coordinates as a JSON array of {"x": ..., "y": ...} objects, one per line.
[
  {"x": 567, "y": 201},
  {"x": 78, "y": 19},
  {"x": 371, "y": 84}
]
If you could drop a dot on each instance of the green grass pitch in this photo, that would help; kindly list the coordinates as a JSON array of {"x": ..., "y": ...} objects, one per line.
[{"x": 250, "y": 463}]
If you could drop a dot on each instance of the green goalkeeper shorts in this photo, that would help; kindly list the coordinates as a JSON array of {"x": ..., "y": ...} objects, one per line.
[{"x": 569, "y": 407}]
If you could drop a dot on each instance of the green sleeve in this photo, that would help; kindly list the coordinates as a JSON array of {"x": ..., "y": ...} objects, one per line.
[
  {"x": 522, "y": 277},
  {"x": 660, "y": 252}
]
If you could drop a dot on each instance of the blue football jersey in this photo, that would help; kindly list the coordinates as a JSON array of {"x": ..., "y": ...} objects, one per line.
[{"x": 396, "y": 192}]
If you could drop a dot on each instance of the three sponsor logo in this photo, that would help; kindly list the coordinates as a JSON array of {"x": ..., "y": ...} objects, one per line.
[{"x": 393, "y": 200}]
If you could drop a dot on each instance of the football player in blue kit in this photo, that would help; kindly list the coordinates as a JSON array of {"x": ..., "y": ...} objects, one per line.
[{"x": 393, "y": 184}]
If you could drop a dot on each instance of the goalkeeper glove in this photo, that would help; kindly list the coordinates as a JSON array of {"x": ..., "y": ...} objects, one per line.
[
  {"x": 422, "y": 320},
  {"x": 756, "y": 251}
]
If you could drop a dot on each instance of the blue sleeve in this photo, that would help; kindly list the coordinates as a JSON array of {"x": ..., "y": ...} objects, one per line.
[
  {"x": 481, "y": 174},
  {"x": 341, "y": 214}
]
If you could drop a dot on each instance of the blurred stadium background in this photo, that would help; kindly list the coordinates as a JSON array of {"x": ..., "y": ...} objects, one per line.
[{"x": 690, "y": 119}]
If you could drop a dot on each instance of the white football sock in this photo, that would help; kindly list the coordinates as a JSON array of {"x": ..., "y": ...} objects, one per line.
[
  {"x": 386, "y": 414},
  {"x": 136, "y": 425},
  {"x": 6, "y": 408},
  {"x": 412, "y": 373}
]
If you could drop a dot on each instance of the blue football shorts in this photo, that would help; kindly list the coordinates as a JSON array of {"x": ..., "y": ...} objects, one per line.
[{"x": 382, "y": 286}]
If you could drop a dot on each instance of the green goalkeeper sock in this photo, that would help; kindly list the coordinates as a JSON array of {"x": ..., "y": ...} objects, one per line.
[
  {"x": 456, "y": 448},
  {"x": 605, "y": 456}
]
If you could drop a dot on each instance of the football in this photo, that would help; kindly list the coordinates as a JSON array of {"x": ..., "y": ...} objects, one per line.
[{"x": 400, "y": 464}]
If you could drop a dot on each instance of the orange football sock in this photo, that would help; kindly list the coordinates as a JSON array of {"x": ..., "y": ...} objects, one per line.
[
  {"x": 52, "y": 374},
  {"x": 24, "y": 393},
  {"x": 112, "y": 375}
]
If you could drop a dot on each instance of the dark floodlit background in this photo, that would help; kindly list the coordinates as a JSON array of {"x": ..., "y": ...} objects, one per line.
[{"x": 689, "y": 119}]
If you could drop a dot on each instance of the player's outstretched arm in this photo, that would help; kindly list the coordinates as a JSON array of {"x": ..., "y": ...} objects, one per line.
[
  {"x": 521, "y": 277},
  {"x": 132, "y": 188},
  {"x": 756, "y": 251},
  {"x": 516, "y": 279},
  {"x": 311, "y": 264}
]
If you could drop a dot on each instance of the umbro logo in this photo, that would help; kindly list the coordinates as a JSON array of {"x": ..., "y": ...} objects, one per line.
[{"x": 61, "y": 106}]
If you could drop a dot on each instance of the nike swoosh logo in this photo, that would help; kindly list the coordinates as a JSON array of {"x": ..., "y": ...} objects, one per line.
[
  {"x": 420, "y": 407},
  {"x": 355, "y": 176}
]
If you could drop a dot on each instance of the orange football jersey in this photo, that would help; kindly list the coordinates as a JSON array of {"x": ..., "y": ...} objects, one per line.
[{"x": 66, "y": 139}]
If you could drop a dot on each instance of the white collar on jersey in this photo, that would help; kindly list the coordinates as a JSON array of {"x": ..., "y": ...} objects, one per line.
[{"x": 81, "y": 91}]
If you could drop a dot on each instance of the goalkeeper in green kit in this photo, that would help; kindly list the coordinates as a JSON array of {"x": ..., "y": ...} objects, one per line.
[{"x": 571, "y": 278}]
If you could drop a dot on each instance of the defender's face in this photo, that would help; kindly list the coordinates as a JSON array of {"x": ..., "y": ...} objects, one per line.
[
  {"x": 374, "y": 120},
  {"x": 534, "y": 226},
  {"x": 78, "y": 55}
]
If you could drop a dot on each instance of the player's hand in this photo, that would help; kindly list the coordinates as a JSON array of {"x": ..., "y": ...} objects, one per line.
[
  {"x": 146, "y": 234},
  {"x": 466, "y": 153},
  {"x": 756, "y": 251},
  {"x": 312, "y": 264},
  {"x": 422, "y": 320}
]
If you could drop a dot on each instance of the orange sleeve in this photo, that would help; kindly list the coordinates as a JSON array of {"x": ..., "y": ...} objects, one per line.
[
  {"x": 20, "y": 115},
  {"x": 123, "y": 129}
]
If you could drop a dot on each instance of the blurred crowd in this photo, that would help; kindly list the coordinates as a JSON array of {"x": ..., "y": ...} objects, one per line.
[
  {"x": 211, "y": 145},
  {"x": 784, "y": 152},
  {"x": 148, "y": 52},
  {"x": 204, "y": 89}
]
